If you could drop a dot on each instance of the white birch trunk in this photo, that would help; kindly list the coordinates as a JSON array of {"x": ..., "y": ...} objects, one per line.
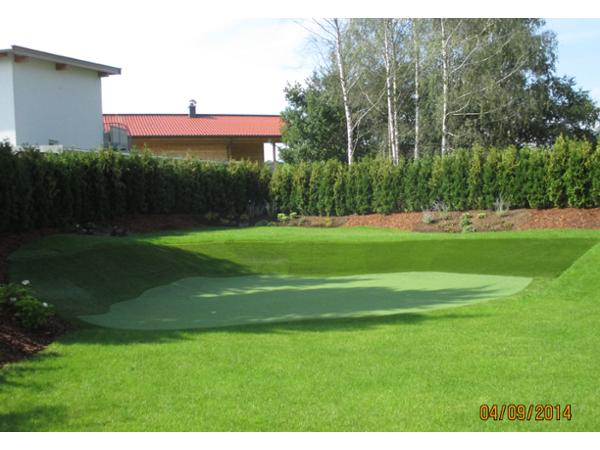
[
  {"x": 417, "y": 75},
  {"x": 344, "y": 87},
  {"x": 445, "y": 89},
  {"x": 394, "y": 105},
  {"x": 389, "y": 58}
]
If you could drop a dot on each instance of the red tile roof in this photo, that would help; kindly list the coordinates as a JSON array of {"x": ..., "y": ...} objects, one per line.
[{"x": 202, "y": 125}]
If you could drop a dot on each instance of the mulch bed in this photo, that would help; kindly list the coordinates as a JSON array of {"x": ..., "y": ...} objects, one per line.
[
  {"x": 17, "y": 343},
  {"x": 517, "y": 219}
]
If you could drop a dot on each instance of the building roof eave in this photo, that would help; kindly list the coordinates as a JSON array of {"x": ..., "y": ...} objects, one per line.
[{"x": 59, "y": 59}]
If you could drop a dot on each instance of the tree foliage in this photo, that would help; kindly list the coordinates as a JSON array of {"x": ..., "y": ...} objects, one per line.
[{"x": 501, "y": 83}]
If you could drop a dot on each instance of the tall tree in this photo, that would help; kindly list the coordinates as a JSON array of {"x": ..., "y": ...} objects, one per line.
[
  {"x": 473, "y": 81},
  {"x": 391, "y": 84},
  {"x": 417, "y": 63}
]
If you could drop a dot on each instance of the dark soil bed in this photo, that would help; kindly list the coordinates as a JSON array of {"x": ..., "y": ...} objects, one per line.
[{"x": 17, "y": 343}]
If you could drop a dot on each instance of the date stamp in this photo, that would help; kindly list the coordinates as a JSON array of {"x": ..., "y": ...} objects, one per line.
[{"x": 522, "y": 412}]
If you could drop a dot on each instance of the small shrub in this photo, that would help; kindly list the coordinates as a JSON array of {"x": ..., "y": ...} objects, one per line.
[
  {"x": 282, "y": 217},
  {"x": 328, "y": 222},
  {"x": 11, "y": 292},
  {"x": 211, "y": 216},
  {"x": 465, "y": 222},
  {"x": 427, "y": 217},
  {"x": 481, "y": 215},
  {"x": 262, "y": 223},
  {"x": 30, "y": 312},
  {"x": 293, "y": 215},
  {"x": 468, "y": 229},
  {"x": 442, "y": 209},
  {"x": 501, "y": 206}
]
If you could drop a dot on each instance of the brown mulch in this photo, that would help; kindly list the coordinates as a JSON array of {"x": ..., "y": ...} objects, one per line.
[
  {"x": 17, "y": 343},
  {"x": 517, "y": 219},
  {"x": 564, "y": 218}
]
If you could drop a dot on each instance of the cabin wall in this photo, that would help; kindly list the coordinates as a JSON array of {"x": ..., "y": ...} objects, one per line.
[{"x": 211, "y": 149}]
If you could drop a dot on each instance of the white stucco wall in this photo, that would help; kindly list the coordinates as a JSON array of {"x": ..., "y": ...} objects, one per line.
[
  {"x": 7, "y": 101},
  {"x": 60, "y": 105}
]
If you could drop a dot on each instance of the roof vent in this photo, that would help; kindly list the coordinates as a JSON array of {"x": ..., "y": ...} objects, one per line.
[{"x": 192, "y": 107}]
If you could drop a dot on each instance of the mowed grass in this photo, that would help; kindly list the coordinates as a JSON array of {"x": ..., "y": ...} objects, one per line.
[
  {"x": 412, "y": 371},
  {"x": 210, "y": 302}
]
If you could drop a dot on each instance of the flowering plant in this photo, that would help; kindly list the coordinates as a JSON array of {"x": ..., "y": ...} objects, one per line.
[{"x": 30, "y": 312}]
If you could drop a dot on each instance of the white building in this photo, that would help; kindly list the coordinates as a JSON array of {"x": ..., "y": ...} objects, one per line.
[{"x": 48, "y": 99}]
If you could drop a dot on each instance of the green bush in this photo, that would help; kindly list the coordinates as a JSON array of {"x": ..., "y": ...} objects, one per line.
[{"x": 30, "y": 312}]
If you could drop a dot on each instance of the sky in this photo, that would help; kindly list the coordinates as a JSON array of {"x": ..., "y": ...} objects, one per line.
[
  {"x": 579, "y": 51},
  {"x": 228, "y": 65}
]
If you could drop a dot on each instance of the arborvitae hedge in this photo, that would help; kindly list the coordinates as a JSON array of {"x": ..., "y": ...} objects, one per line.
[
  {"x": 41, "y": 190},
  {"x": 566, "y": 175},
  {"x": 48, "y": 190}
]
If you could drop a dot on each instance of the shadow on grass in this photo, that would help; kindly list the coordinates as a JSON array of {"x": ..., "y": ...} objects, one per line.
[
  {"x": 12, "y": 372},
  {"x": 88, "y": 282},
  {"x": 32, "y": 419},
  {"x": 94, "y": 335},
  {"x": 250, "y": 302}
]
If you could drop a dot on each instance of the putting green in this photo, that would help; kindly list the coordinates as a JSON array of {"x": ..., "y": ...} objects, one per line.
[{"x": 207, "y": 302}]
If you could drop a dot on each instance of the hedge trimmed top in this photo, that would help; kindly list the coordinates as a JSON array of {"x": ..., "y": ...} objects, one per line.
[
  {"x": 566, "y": 175},
  {"x": 41, "y": 190}
]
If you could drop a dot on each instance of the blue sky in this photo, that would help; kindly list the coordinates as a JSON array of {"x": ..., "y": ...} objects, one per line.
[{"x": 579, "y": 51}]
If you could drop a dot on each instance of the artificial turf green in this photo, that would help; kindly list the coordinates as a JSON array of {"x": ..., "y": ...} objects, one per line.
[
  {"x": 84, "y": 275},
  {"x": 414, "y": 371},
  {"x": 207, "y": 302}
]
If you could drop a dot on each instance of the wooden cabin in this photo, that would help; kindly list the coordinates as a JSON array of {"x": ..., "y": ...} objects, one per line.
[{"x": 213, "y": 137}]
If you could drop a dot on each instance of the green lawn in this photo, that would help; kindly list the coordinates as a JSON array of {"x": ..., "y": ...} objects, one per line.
[{"x": 407, "y": 364}]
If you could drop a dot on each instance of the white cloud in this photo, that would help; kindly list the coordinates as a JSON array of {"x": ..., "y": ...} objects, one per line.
[{"x": 169, "y": 54}]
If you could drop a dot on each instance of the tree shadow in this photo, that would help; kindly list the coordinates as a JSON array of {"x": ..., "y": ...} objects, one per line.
[
  {"x": 88, "y": 282},
  {"x": 12, "y": 373},
  {"x": 32, "y": 419},
  {"x": 324, "y": 321},
  {"x": 90, "y": 334},
  {"x": 298, "y": 302}
]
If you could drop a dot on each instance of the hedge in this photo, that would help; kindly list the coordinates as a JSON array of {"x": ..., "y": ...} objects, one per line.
[
  {"x": 53, "y": 190},
  {"x": 565, "y": 175}
]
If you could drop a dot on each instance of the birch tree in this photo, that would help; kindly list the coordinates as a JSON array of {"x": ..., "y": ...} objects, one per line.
[
  {"x": 442, "y": 83},
  {"x": 471, "y": 64},
  {"x": 334, "y": 33},
  {"x": 417, "y": 63},
  {"x": 445, "y": 39},
  {"x": 391, "y": 84}
]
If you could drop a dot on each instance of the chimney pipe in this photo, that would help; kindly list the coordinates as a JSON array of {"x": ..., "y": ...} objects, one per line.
[{"x": 192, "y": 107}]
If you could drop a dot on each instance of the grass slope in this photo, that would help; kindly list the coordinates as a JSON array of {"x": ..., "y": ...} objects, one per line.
[{"x": 415, "y": 371}]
